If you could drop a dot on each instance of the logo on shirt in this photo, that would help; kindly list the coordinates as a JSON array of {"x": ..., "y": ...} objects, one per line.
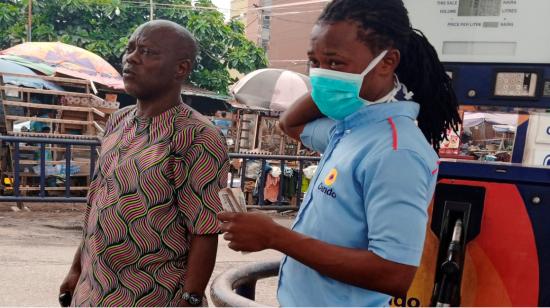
[
  {"x": 331, "y": 177},
  {"x": 327, "y": 191},
  {"x": 329, "y": 181}
]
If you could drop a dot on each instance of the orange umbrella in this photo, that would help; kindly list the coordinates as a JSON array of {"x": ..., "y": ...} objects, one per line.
[{"x": 69, "y": 60}]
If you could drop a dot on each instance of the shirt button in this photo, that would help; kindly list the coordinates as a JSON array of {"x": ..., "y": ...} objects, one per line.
[{"x": 348, "y": 131}]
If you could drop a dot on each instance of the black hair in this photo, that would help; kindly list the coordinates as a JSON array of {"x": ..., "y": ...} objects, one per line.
[{"x": 385, "y": 24}]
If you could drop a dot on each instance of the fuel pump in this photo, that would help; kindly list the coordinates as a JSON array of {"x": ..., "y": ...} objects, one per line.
[
  {"x": 456, "y": 220},
  {"x": 488, "y": 239}
]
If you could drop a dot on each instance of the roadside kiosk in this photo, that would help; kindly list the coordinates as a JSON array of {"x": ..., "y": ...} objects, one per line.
[{"x": 488, "y": 239}]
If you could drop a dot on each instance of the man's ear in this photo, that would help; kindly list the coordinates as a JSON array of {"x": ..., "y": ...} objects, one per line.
[
  {"x": 390, "y": 62},
  {"x": 184, "y": 69}
]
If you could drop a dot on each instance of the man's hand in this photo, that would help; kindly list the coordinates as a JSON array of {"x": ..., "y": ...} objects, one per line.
[
  {"x": 69, "y": 283},
  {"x": 200, "y": 264},
  {"x": 249, "y": 232},
  {"x": 359, "y": 267}
]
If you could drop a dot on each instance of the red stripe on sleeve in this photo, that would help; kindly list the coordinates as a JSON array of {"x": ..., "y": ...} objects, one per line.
[{"x": 394, "y": 133}]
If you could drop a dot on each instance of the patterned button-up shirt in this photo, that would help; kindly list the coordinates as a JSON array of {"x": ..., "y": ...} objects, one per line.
[{"x": 156, "y": 184}]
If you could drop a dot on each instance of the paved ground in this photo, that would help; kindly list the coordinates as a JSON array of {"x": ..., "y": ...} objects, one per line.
[{"x": 37, "y": 247}]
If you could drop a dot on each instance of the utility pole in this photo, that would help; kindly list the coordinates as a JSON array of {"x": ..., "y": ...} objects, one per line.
[
  {"x": 29, "y": 24},
  {"x": 264, "y": 24},
  {"x": 151, "y": 12},
  {"x": 260, "y": 26}
]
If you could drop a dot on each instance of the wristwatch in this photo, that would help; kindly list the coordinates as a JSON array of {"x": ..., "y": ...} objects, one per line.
[{"x": 193, "y": 300}]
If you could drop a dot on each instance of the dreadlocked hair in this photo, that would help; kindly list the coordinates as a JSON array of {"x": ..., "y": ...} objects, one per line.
[{"x": 385, "y": 24}]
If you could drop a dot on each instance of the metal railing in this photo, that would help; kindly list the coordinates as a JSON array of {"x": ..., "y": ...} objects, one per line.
[
  {"x": 282, "y": 163},
  {"x": 15, "y": 148},
  {"x": 237, "y": 286},
  {"x": 15, "y": 143}
]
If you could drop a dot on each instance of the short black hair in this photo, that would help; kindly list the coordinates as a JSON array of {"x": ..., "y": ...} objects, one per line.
[{"x": 385, "y": 24}]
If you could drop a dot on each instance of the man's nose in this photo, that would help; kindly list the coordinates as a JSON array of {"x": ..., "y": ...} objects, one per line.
[{"x": 131, "y": 57}]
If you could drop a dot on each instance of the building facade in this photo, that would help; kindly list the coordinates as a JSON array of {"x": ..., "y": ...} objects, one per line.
[{"x": 282, "y": 28}]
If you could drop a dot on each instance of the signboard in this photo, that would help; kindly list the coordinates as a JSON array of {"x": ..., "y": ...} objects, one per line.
[
  {"x": 543, "y": 130},
  {"x": 493, "y": 31},
  {"x": 542, "y": 158}
]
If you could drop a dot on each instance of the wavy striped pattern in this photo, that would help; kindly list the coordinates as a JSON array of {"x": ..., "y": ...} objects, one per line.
[{"x": 157, "y": 181}]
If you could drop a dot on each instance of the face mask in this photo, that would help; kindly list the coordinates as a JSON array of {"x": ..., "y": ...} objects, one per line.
[{"x": 336, "y": 94}]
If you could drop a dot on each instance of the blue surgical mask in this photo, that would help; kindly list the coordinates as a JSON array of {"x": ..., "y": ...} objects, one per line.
[{"x": 336, "y": 94}]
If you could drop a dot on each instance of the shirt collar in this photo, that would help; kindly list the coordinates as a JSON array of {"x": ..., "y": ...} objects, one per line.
[
  {"x": 162, "y": 118},
  {"x": 379, "y": 112}
]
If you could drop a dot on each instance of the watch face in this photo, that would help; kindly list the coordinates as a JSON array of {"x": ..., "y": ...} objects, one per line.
[{"x": 194, "y": 300}]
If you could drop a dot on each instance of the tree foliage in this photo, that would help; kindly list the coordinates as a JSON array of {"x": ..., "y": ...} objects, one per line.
[{"x": 104, "y": 26}]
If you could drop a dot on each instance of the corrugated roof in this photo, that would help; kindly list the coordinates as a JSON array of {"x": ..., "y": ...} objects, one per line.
[{"x": 191, "y": 90}]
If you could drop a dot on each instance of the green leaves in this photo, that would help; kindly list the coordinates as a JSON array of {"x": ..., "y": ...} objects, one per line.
[{"x": 95, "y": 25}]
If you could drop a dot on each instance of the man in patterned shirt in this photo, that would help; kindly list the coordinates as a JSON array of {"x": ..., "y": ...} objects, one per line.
[{"x": 150, "y": 228}]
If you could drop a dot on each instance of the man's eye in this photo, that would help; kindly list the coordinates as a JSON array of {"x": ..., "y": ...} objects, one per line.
[{"x": 146, "y": 51}]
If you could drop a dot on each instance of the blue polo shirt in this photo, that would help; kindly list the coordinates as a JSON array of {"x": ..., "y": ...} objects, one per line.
[{"x": 371, "y": 191}]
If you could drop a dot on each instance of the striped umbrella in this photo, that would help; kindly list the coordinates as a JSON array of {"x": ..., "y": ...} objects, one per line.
[
  {"x": 69, "y": 60},
  {"x": 270, "y": 89}
]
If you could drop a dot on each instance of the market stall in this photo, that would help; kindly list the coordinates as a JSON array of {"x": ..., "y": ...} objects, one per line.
[
  {"x": 39, "y": 100},
  {"x": 259, "y": 100}
]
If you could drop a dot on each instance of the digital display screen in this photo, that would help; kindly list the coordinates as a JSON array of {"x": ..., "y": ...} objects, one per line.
[
  {"x": 479, "y": 7},
  {"x": 516, "y": 84}
]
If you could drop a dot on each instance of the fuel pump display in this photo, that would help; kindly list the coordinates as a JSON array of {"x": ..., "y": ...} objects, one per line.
[{"x": 488, "y": 240}]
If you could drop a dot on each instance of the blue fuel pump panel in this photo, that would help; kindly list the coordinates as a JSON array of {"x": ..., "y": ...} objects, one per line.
[{"x": 495, "y": 172}]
